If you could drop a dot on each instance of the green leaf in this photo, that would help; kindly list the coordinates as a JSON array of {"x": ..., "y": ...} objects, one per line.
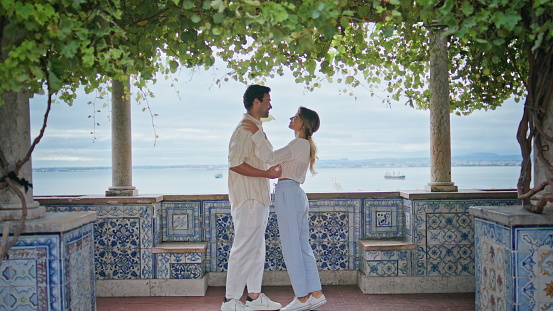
[
  {"x": 24, "y": 10},
  {"x": 196, "y": 18},
  {"x": 218, "y": 5},
  {"x": 344, "y": 22},
  {"x": 187, "y": 5},
  {"x": 54, "y": 81},
  {"x": 218, "y": 18},
  {"x": 70, "y": 49},
  {"x": 467, "y": 8}
]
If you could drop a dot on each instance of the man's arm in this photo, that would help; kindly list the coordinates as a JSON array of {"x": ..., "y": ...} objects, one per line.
[{"x": 248, "y": 170}]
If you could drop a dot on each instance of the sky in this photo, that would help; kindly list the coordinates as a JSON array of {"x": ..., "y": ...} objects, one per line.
[{"x": 195, "y": 118}]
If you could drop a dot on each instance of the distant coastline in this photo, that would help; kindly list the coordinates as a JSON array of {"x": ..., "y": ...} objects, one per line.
[{"x": 475, "y": 159}]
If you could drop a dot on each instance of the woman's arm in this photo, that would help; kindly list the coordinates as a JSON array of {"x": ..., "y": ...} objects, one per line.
[
  {"x": 248, "y": 170},
  {"x": 264, "y": 149}
]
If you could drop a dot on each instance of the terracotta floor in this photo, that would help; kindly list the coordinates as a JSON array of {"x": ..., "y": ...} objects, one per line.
[{"x": 340, "y": 298}]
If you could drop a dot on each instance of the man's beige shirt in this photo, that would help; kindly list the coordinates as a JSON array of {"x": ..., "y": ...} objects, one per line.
[{"x": 242, "y": 150}]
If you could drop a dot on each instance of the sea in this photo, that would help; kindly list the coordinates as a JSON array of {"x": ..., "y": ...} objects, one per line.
[{"x": 213, "y": 179}]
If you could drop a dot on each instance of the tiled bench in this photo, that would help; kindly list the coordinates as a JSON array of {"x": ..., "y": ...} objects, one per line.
[
  {"x": 180, "y": 260},
  {"x": 386, "y": 257},
  {"x": 179, "y": 270},
  {"x": 390, "y": 267}
]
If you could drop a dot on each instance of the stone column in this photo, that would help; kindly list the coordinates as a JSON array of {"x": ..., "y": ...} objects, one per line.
[
  {"x": 121, "y": 142},
  {"x": 15, "y": 141},
  {"x": 440, "y": 140}
]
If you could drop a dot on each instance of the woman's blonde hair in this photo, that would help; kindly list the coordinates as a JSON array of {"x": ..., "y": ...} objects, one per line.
[{"x": 311, "y": 124}]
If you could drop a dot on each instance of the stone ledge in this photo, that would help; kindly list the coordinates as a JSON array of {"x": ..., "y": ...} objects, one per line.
[
  {"x": 54, "y": 222},
  {"x": 151, "y": 287},
  {"x": 179, "y": 247},
  {"x": 415, "y": 284},
  {"x": 461, "y": 194},
  {"x": 98, "y": 199},
  {"x": 512, "y": 215},
  {"x": 281, "y": 278},
  {"x": 388, "y": 245}
]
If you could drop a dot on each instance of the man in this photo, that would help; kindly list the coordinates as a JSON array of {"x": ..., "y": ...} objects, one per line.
[{"x": 249, "y": 199}]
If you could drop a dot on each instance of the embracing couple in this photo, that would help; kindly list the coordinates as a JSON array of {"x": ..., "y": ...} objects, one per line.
[{"x": 252, "y": 162}]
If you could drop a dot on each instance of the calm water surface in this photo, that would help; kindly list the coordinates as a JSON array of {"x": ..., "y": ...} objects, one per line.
[{"x": 203, "y": 181}]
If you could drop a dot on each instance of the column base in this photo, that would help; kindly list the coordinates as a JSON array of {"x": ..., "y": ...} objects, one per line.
[
  {"x": 441, "y": 187},
  {"x": 129, "y": 191},
  {"x": 34, "y": 211}
]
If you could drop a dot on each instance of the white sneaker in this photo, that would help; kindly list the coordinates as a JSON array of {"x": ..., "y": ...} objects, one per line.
[
  {"x": 314, "y": 303},
  {"x": 263, "y": 303},
  {"x": 297, "y": 305},
  {"x": 234, "y": 305}
]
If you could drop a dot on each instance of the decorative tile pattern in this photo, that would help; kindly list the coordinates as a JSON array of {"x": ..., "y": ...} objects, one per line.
[
  {"x": 50, "y": 272},
  {"x": 442, "y": 229},
  {"x": 179, "y": 266},
  {"x": 384, "y": 218},
  {"x": 181, "y": 221},
  {"x": 80, "y": 286},
  {"x": 123, "y": 237},
  {"x": 330, "y": 227},
  {"x": 513, "y": 266},
  {"x": 388, "y": 263}
]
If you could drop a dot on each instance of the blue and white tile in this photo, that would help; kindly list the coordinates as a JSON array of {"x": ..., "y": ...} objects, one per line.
[
  {"x": 450, "y": 268},
  {"x": 421, "y": 268},
  {"x": 435, "y": 267},
  {"x": 389, "y": 268},
  {"x": 373, "y": 268},
  {"x": 526, "y": 291},
  {"x": 466, "y": 267},
  {"x": 526, "y": 265},
  {"x": 372, "y": 255},
  {"x": 162, "y": 266},
  {"x": 194, "y": 258},
  {"x": 146, "y": 263}
]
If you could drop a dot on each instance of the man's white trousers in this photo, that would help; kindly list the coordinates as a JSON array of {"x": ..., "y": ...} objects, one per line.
[{"x": 246, "y": 261}]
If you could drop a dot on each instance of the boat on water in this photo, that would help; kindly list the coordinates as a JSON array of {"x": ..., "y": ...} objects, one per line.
[
  {"x": 219, "y": 175},
  {"x": 394, "y": 175}
]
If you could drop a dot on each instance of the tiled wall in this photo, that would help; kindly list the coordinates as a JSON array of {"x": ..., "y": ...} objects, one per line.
[
  {"x": 334, "y": 230},
  {"x": 515, "y": 266},
  {"x": 36, "y": 273},
  {"x": 124, "y": 235},
  {"x": 442, "y": 229}
]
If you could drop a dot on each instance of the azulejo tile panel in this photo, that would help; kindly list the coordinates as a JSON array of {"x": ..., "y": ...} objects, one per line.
[
  {"x": 179, "y": 266},
  {"x": 513, "y": 266},
  {"x": 50, "y": 272},
  {"x": 444, "y": 231},
  {"x": 384, "y": 218},
  {"x": 182, "y": 221},
  {"x": 330, "y": 234},
  {"x": 32, "y": 268},
  {"x": 533, "y": 250},
  {"x": 123, "y": 237},
  {"x": 385, "y": 263},
  {"x": 80, "y": 287}
]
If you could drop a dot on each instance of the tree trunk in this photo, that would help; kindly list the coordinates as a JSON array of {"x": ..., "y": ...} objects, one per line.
[{"x": 542, "y": 173}]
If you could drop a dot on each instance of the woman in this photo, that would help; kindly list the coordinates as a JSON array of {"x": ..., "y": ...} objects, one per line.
[{"x": 292, "y": 206}]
